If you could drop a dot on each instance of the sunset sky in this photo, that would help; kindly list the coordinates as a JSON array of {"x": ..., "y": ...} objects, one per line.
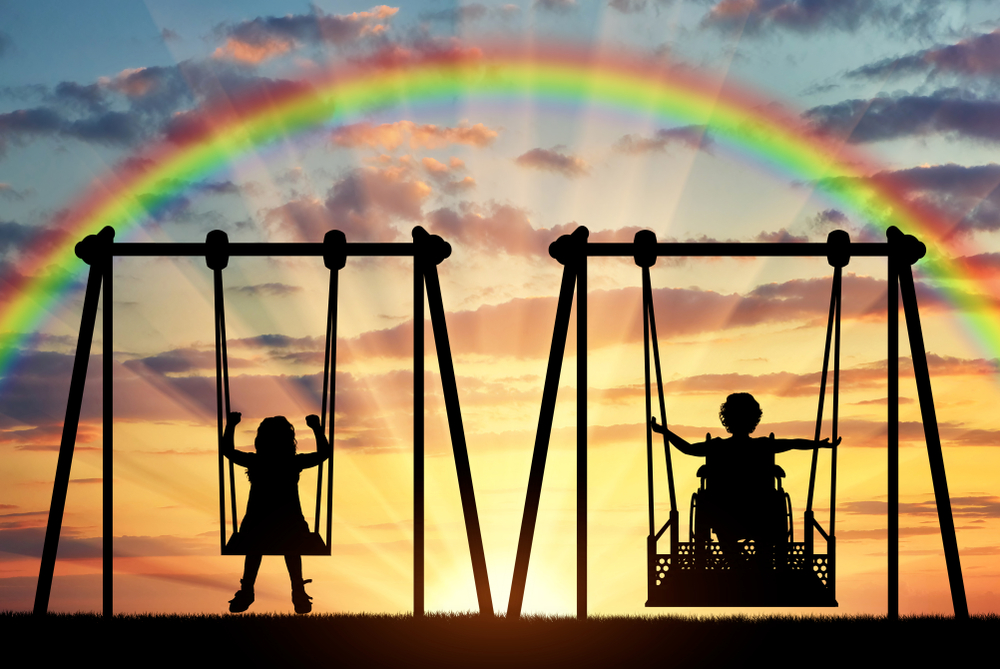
[{"x": 883, "y": 97}]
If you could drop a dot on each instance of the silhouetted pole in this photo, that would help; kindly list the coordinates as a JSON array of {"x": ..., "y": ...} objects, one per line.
[
  {"x": 334, "y": 259},
  {"x": 95, "y": 251},
  {"x": 418, "y": 437},
  {"x": 909, "y": 251},
  {"x": 581, "y": 426},
  {"x": 107, "y": 429},
  {"x": 429, "y": 251},
  {"x": 892, "y": 438},
  {"x": 559, "y": 250}
]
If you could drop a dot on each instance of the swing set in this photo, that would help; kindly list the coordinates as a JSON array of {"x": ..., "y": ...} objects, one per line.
[
  {"x": 696, "y": 572},
  {"x": 691, "y": 573},
  {"x": 427, "y": 251}
]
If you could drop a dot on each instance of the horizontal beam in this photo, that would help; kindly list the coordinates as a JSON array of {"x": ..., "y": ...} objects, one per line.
[
  {"x": 264, "y": 249},
  {"x": 737, "y": 249}
]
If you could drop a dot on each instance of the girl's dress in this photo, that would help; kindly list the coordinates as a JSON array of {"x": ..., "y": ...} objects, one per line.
[{"x": 274, "y": 524}]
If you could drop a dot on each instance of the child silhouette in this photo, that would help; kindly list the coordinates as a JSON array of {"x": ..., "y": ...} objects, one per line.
[
  {"x": 741, "y": 475},
  {"x": 274, "y": 523}
]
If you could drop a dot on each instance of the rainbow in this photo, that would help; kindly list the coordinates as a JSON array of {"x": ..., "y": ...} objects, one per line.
[{"x": 206, "y": 140}]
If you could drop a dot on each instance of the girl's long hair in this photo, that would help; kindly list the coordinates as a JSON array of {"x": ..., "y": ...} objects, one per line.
[{"x": 275, "y": 437}]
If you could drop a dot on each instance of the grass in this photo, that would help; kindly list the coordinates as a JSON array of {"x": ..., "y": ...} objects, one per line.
[{"x": 467, "y": 640}]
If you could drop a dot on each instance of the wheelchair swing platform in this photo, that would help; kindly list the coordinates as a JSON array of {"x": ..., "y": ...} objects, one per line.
[{"x": 708, "y": 579}]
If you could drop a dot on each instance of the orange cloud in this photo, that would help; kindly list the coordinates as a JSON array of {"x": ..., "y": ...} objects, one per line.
[
  {"x": 391, "y": 136},
  {"x": 246, "y": 52},
  {"x": 552, "y": 160},
  {"x": 263, "y": 38}
]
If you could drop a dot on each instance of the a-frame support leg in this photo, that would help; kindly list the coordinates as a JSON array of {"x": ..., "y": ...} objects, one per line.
[
  {"x": 544, "y": 432},
  {"x": 432, "y": 251},
  {"x": 94, "y": 251},
  {"x": 912, "y": 251},
  {"x": 107, "y": 429},
  {"x": 892, "y": 438},
  {"x": 418, "y": 438}
]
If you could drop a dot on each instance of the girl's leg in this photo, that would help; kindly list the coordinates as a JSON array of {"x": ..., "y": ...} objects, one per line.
[
  {"x": 302, "y": 601},
  {"x": 244, "y": 596},
  {"x": 294, "y": 564},
  {"x": 250, "y": 568}
]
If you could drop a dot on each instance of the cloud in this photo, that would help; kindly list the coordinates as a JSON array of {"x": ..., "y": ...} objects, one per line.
[
  {"x": 964, "y": 507},
  {"x": 558, "y": 6},
  {"x": 628, "y": 6},
  {"x": 264, "y": 38},
  {"x": 760, "y": 17},
  {"x": 391, "y": 136},
  {"x": 5, "y": 43},
  {"x": 460, "y": 14},
  {"x": 366, "y": 204},
  {"x": 553, "y": 160},
  {"x": 266, "y": 290},
  {"x": 497, "y": 330},
  {"x": 93, "y": 112},
  {"x": 29, "y": 541},
  {"x": 967, "y": 196},
  {"x": 977, "y": 56},
  {"x": 691, "y": 136},
  {"x": 947, "y": 112},
  {"x": 756, "y": 16},
  {"x": 13, "y": 236}
]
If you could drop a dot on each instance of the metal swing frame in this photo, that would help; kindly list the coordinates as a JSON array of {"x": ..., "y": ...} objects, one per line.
[
  {"x": 901, "y": 252},
  {"x": 696, "y": 572},
  {"x": 427, "y": 251}
]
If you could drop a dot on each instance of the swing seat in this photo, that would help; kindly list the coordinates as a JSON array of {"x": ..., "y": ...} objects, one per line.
[
  {"x": 310, "y": 544},
  {"x": 700, "y": 573}
]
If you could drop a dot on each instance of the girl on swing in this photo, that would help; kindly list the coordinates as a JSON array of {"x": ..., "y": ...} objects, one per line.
[
  {"x": 274, "y": 523},
  {"x": 741, "y": 475}
]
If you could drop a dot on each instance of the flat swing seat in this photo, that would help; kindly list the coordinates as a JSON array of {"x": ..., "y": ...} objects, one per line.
[{"x": 311, "y": 544}]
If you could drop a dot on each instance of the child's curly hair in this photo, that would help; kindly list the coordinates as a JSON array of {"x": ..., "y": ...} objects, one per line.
[
  {"x": 741, "y": 412},
  {"x": 275, "y": 436}
]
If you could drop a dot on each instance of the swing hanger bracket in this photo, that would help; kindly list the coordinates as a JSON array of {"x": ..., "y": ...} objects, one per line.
[
  {"x": 93, "y": 249},
  {"x": 838, "y": 245},
  {"x": 568, "y": 249},
  {"x": 429, "y": 248},
  {"x": 645, "y": 248},
  {"x": 217, "y": 257},
  {"x": 903, "y": 247},
  {"x": 334, "y": 249}
]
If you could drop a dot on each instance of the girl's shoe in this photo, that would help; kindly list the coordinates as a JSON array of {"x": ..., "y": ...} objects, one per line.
[
  {"x": 302, "y": 601},
  {"x": 242, "y": 600}
]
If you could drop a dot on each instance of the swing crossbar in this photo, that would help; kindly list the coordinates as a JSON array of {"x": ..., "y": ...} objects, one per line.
[
  {"x": 733, "y": 249},
  {"x": 259, "y": 249}
]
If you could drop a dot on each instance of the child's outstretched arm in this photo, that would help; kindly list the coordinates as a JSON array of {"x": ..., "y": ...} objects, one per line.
[
  {"x": 228, "y": 440},
  {"x": 782, "y": 445},
  {"x": 323, "y": 448},
  {"x": 682, "y": 445}
]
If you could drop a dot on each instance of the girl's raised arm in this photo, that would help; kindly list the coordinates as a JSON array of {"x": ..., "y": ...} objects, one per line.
[
  {"x": 323, "y": 448},
  {"x": 228, "y": 443}
]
